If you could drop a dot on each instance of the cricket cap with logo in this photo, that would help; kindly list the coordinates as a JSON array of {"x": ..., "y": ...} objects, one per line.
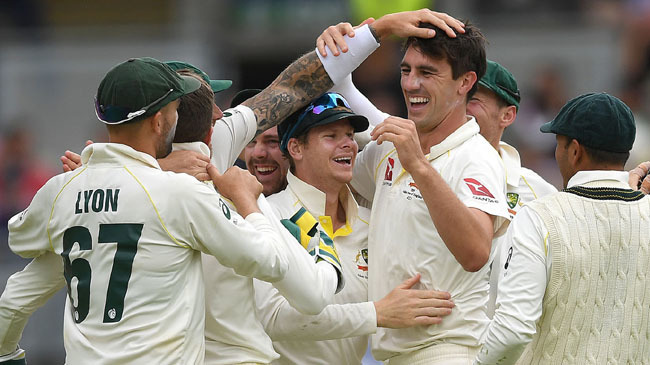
[
  {"x": 327, "y": 108},
  {"x": 498, "y": 79},
  {"x": 596, "y": 120},
  {"x": 138, "y": 88},
  {"x": 215, "y": 85}
]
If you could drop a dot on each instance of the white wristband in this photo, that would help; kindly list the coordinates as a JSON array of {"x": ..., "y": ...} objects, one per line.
[{"x": 359, "y": 48}]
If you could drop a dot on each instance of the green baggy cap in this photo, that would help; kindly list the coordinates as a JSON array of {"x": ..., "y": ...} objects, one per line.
[
  {"x": 498, "y": 79},
  {"x": 215, "y": 85},
  {"x": 597, "y": 120},
  {"x": 138, "y": 88}
]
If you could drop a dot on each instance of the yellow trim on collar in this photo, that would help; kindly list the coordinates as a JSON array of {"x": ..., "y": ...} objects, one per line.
[{"x": 326, "y": 223}]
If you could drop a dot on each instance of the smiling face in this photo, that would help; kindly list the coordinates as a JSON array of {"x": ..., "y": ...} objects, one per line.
[
  {"x": 430, "y": 92},
  {"x": 265, "y": 160},
  {"x": 327, "y": 158}
]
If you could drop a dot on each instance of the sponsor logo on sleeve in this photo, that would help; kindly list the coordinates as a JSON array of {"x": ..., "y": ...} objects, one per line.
[
  {"x": 388, "y": 176},
  {"x": 479, "y": 191}
]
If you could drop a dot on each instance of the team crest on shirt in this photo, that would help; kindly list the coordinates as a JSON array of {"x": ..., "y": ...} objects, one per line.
[
  {"x": 479, "y": 191},
  {"x": 362, "y": 263},
  {"x": 513, "y": 199}
]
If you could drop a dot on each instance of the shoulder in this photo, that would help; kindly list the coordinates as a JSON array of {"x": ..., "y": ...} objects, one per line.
[
  {"x": 536, "y": 183},
  {"x": 283, "y": 203}
]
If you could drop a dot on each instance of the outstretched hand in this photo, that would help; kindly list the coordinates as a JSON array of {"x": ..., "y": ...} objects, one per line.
[
  {"x": 407, "y": 307},
  {"x": 403, "y": 24},
  {"x": 407, "y": 24},
  {"x": 332, "y": 37}
]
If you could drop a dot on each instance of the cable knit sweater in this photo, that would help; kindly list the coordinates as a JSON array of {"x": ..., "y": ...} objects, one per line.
[{"x": 596, "y": 308}]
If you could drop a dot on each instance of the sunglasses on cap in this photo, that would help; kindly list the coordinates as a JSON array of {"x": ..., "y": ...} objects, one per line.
[
  {"x": 118, "y": 114},
  {"x": 326, "y": 101}
]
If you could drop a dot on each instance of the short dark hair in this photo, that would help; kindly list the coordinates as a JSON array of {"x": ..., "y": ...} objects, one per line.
[
  {"x": 302, "y": 139},
  {"x": 194, "y": 113},
  {"x": 606, "y": 157},
  {"x": 464, "y": 53}
]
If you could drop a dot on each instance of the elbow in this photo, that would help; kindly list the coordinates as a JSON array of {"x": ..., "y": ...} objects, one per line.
[
  {"x": 311, "y": 307},
  {"x": 476, "y": 261}
]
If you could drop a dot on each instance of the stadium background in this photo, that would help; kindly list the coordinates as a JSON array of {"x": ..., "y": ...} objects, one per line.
[{"x": 55, "y": 52}]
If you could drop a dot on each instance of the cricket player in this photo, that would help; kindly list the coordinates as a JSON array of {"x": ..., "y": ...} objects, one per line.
[
  {"x": 131, "y": 258},
  {"x": 495, "y": 105},
  {"x": 319, "y": 143},
  {"x": 424, "y": 175},
  {"x": 576, "y": 288},
  {"x": 279, "y": 100}
]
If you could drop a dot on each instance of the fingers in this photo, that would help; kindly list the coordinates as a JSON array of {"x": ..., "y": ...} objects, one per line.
[
  {"x": 446, "y": 23},
  {"x": 408, "y": 283},
  {"x": 202, "y": 176},
  {"x": 645, "y": 185},
  {"x": 89, "y": 142},
  {"x": 367, "y": 21},
  {"x": 73, "y": 157},
  {"x": 213, "y": 173},
  {"x": 637, "y": 174}
]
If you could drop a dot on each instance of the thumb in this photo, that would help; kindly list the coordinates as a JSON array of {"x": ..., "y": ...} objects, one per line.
[
  {"x": 89, "y": 142},
  {"x": 367, "y": 21},
  {"x": 408, "y": 283},
  {"x": 213, "y": 172}
]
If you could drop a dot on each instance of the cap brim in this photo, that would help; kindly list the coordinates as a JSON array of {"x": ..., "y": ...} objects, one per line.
[
  {"x": 220, "y": 85},
  {"x": 547, "y": 127},
  {"x": 358, "y": 122}
]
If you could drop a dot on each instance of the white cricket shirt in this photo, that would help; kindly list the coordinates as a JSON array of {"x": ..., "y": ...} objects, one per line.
[
  {"x": 523, "y": 284},
  {"x": 339, "y": 334},
  {"x": 523, "y": 186},
  {"x": 403, "y": 240},
  {"x": 133, "y": 254}
]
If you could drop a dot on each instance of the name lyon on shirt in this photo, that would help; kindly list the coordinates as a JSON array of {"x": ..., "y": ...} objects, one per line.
[{"x": 97, "y": 200}]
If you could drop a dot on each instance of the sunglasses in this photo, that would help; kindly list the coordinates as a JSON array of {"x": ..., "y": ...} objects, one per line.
[
  {"x": 118, "y": 114},
  {"x": 326, "y": 101}
]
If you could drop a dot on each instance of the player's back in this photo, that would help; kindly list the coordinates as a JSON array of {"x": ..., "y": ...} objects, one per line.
[{"x": 135, "y": 290}]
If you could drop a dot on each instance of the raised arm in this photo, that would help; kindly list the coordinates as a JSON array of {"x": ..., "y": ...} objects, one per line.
[{"x": 307, "y": 77}]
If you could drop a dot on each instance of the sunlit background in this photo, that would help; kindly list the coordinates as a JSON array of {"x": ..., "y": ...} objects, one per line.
[{"x": 54, "y": 53}]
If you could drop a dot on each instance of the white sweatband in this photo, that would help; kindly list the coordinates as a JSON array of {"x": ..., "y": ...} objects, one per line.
[
  {"x": 359, "y": 103},
  {"x": 359, "y": 48}
]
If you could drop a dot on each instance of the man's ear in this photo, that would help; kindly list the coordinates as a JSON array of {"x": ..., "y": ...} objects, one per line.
[
  {"x": 468, "y": 80},
  {"x": 508, "y": 115},
  {"x": 208, "y": 138},
  {"x": 156, "y": 123},
  {"x": 576, "y": 152},
  {"x": 295, "y": 149}
]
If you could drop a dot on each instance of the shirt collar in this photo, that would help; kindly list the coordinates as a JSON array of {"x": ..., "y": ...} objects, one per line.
[
  {"x": 460, "y": 135},
  {"x": 199, "y": 147},
  {"x": 314, "y": 200},
  {"x": 511, "y": 162},
  {"x": 98, "y": 153},
  {"x": 594, "y": 178}
]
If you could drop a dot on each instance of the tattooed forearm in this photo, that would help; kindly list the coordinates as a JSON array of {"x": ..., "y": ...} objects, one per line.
[{"x": 295, "y": 87}]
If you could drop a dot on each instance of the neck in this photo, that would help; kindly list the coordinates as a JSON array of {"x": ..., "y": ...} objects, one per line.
[
  {"x": 132, "y": 136},
  {"x": 449, "y": 125},
  {"x": 334, "y": 209}
]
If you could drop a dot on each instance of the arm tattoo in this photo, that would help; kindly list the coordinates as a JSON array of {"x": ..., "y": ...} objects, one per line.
[{"x": 295, "y": 87}]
